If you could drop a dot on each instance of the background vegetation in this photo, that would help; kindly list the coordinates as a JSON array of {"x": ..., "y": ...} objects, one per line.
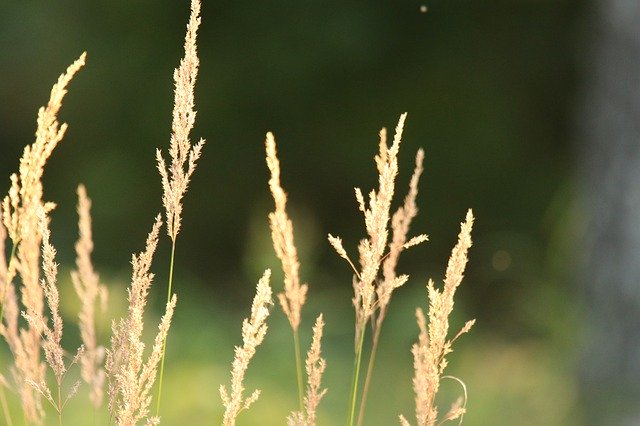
[{"x": 490, "y": 89}]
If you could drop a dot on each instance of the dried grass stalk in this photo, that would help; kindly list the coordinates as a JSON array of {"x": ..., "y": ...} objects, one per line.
[{"x": 176, "y": 179}]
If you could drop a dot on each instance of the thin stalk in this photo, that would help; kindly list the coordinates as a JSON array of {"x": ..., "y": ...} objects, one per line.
[
  {"x": 367, "y": 380},
  {"x": 5, "y": 407},
  {"x": 59, "y": 407},
  {"x": 356, "y": 374},
  {"x": 164, "y": 345},
  {"x": 296, "y": 342}
]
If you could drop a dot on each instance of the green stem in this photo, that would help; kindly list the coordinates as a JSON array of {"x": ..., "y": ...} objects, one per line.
[
  {"x": 164, "y": 344},
  {"x": 356, "y": 374},
  {"x": 296, "y": 342},
  {"x": 59, "y": 407},
  {"x": 367, "y": 380}
]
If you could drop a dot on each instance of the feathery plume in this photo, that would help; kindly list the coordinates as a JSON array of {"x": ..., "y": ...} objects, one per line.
[
  {"x": 429, "y": 353},
  {"x": 130, "y": 377},
  {"x": 86, "y": 283},
  {"x": 176, "y": 180},
  {"x": 253, "y": 331},
  {"x": 20, "y": 218},
  {"x": 294, "y": 293}
]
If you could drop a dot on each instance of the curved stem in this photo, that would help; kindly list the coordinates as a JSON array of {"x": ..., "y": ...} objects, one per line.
[
  {"x": 164, "y": 345},
  {"x": 367, "y": 380},
  {"x": 464, "y": 390},
  {"x": 296, "y": 342}
]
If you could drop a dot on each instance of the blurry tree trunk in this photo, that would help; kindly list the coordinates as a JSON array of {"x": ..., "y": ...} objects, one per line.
[{"x": 610, "y": 138}]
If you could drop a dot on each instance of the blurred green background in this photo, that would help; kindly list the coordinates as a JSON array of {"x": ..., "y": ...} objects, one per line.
[{"x": 490, "y": 88}]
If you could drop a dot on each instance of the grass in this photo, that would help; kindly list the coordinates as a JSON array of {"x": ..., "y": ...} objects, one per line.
[{"x": 121, "y": 375}]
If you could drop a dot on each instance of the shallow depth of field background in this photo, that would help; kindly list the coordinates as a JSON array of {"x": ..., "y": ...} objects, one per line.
[{"x": 491, "y": 88}]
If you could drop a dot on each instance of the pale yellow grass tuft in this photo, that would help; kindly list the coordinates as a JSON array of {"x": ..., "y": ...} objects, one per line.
[
  {"x": 176, "y": 179},
  {"x": 130, "y": 377},
  {"x": 86, "y": 283},
  {"x": 430, "y": 352},
  {"x": 20, "y": 218},
  {"x": 253, "y": 331}
]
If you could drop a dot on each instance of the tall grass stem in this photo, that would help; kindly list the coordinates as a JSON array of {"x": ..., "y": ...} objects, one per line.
[
  {"x": 59, "y": 407},
  {"x": 356, "y": 375},
  {"x": 164, "y": 345},
  {"x": 367, "y": 380}
]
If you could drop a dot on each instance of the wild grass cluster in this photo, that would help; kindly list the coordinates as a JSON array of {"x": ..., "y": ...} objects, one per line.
[{"x": 122, "y": 376}]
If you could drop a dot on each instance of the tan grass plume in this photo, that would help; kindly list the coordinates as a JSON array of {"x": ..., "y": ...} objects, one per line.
[
  {"x": 253, "y": 331},
  {"x": 175, "y": 180},
  {"x": 294, "y": 295}
]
